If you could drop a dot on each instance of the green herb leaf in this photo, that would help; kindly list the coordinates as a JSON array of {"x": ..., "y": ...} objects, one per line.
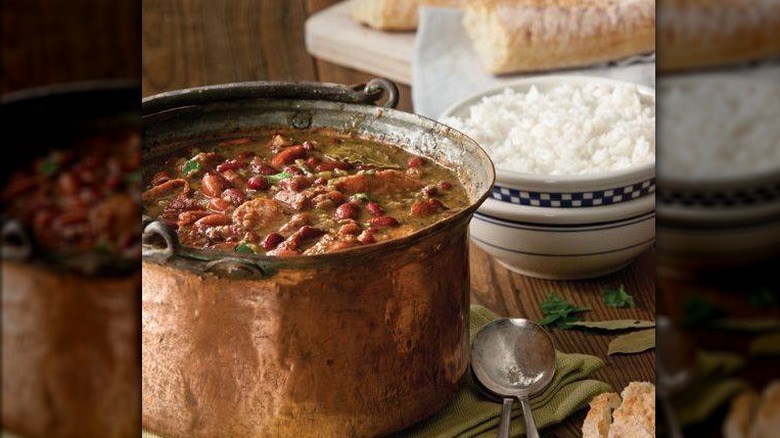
[
  {"x": 699, "y": 311},
  {"x": 634, "y": 342},
  {"x": 558, "y": 312},
  {"x": 133, "y": 177},
  {"x": 614, "y": 324},
  {"x": 617, "y": 298},
  {"x": 766, "y": 345},
  {"x": 274, "y": 179},
  {"x": 243, "y": 248},
  {"x": 48, "y": 166},
  {"x": 361, "y": 197},
  {"x": 191, "y": 167}
]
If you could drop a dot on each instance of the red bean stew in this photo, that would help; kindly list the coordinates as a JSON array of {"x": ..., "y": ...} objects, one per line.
[
  {"x": 286, "y": 192},
  {"x": 82, "y": 198}
]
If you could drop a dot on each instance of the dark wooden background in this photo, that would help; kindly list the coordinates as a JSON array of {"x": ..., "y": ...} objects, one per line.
[{"x": 198, "y": 42}]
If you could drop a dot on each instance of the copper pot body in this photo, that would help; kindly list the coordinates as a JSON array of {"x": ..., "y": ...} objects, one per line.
[{"x": 359, "y": 343}]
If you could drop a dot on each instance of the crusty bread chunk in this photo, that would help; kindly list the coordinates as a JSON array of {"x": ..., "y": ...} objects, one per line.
[
  {"x": 599, "y": 417},
  {"x": 630, "y": 415},
  {"x": 394, "y": 14},
  {"x": 754, "y": 416}
]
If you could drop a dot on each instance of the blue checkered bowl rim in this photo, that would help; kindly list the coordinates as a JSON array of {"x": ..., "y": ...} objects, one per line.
[{"x": 594, "y": 198}]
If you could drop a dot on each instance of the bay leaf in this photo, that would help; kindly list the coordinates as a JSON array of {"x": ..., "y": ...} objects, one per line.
[
  {"x": 747, "y": 324},
  {"x": 613, "y": 324},
  {"x": 634, "y": 342},
  {"x": 766, "y": 345}
]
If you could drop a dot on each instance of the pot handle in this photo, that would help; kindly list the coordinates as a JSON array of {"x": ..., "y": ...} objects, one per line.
[
  {"x": 16, "y": 243},
  {"x": 366, "y": 94},
  {"x": 159, "y": 242}
]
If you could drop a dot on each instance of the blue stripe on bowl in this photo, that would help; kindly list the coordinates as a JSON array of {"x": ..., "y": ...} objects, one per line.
[
  {"x": 719, "y": 199},
  {"x": 573, "y": 199}
]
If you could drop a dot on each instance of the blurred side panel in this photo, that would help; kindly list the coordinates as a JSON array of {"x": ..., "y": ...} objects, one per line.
[
  {"x": 718, "y": 215},
  {"x": 70, "y": 218}
]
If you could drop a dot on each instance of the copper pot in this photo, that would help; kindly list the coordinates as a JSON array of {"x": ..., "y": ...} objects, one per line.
[
  {"x": 358, "y": 343},
  {"x": 70, "y": 326}
]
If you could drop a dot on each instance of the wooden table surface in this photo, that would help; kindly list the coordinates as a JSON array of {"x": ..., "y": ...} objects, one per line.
[{"x": 199, "y": 42}]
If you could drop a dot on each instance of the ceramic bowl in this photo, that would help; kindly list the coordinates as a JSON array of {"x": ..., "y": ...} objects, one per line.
[{"x": 565, "y": 227}]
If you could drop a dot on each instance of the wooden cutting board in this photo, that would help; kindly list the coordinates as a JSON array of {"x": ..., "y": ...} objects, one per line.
[{"x": 331, "y": 35}]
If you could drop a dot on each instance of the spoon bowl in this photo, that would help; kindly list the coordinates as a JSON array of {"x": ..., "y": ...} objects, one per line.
[{"x": 514, "y": 358}]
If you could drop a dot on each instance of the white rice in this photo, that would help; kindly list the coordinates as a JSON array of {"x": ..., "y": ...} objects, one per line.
[
  {"x": 567, "y": 130},
  {"x": 717, "y": 126}
]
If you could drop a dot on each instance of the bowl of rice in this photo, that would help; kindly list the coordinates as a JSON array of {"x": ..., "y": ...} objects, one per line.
[
  {"x": 574, "y": 196},
  {"x": 719, "y": 182}
]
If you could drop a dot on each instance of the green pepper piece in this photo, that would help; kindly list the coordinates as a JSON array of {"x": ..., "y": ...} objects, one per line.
[
  {"x": 191, "y": 167},
  {"x": 273, "y": 179},
  {"x": 243, "y": 248}
]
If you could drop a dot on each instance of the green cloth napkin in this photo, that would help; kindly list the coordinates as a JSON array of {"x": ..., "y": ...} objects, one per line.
[
  {"x": 472, "y": 414},
  {"x": 712, "y": 389}
]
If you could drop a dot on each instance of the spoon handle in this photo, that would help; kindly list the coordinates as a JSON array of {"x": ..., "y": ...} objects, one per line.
[
  {"x": 506, "y": 418},
  {"x": 530, "y": 426},
  {"x": 675, "y": 431}
]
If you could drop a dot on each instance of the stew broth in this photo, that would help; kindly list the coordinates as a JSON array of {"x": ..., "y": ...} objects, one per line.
[{"x": 287, "y": 192}]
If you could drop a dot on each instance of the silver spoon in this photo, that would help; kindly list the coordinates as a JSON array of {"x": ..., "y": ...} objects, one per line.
[
  {"x": 675, "y": 368},
  {"x": 513, "y": 358}
]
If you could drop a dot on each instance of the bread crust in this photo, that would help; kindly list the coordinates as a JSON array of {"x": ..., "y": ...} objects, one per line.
[
  {"x": 695, "y": 34},
  {"x": 599, "y": 418},
  {"x": 386, "y": 14},
  {"x": 532, "y": 35},
  {"x": 767, "y": 422},
  {"x": 741, "y": 415},
  {"x": 635, "y": 417}
]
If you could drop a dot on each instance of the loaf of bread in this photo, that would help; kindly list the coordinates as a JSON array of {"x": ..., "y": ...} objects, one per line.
[
  {"x": 696, "y": 34},
  {"x": 630, "y": 415},
  {"x": 531, "y": 35},
  {"x": 394, "y": 14},
  {"x": 754, "y": 416}
]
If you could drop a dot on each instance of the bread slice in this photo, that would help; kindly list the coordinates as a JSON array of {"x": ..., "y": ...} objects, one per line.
[
  {"x": 635, "y": 417},
  {"x": 530, "y": 35},
  {"x": 741, "y": 415},
  {"x": 599, "y": 417},
  {"x": 696, "y": 34}
]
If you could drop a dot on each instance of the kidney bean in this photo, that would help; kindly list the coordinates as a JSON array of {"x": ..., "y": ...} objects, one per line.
[
  {"x": 231, "y": 165},
  {"x": 426, "y": 207},
  {"x": 160, "y": 177},
  {"x": 416, "y": 162},
  {"x": 271, "y": 241},
  {"x": 257, "y": 183},
  {"x": 367, "y": 236},
  {"x": 320, "y": 181},
  {"x": 309, "y": 145},
  {"x": 307, "y": 232},
  {"x": 288, "y": 155},
  {"x": 114, "y": 182},
  {"x": 296, "y": 183},
  {"x": 444, "y": 185},
  {"x": 213, "y": 220},
  {"x": 219, "y": 204},
  {"x": 312, "y": 162},
  {"x": 235, "y": 196},
  {"x": 212, "y": 185},
  {"x": 190, "y": 217},
  {"x": 352, "y": 228},
  {"x": 384, "y": 221},
  {"x": 258, "y": 165},
  {"x": 348, "y": 210},
  {"x": 375, "y": 209},
  {"x": 293, "y": 170}
]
